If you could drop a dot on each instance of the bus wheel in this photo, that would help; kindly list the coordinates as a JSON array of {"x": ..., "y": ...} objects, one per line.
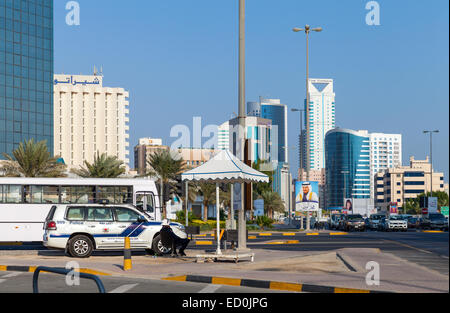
[{"x": 80, "y": 246}]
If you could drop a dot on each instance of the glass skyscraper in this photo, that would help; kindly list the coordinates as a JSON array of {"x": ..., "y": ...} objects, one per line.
[
  {"x": 347, "y": 155},
  {"x": 26, "y": 72}
]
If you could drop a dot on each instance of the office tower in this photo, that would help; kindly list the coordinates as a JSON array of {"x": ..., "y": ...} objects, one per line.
[
  {"x": 258, "y": 132},
  {"x": 401, "y": 183},
  {"x": 385, "y": 152},
  {"x": 347, "y": 154},
  {"x": 223, "y": 136},
  {"x": 26, "y": 73},
  {"x": 90, "y": 118},
  {"x": 274, "y": 110},
  {"x": 319, "y": 119}
]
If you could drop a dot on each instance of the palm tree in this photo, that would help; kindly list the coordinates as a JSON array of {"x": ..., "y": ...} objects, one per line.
[
  {"x": 208, "y": 191},
  {"x": 266, "y": 168},
  {"x": 166, "y": 168},
  {"x": 32, "y": 159},
  {"x": 104, "y": 166},
  {"x": 272, "y": 203}
]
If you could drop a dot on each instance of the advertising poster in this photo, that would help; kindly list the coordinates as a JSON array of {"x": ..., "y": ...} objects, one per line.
[
  {"x": 432, "y": 205},
  {"x": 348, "y": 206},
  {"x": 258, "y": 207},
  {"x": 306, "y": 196}
]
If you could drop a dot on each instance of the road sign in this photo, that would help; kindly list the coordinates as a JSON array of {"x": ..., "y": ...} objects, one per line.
[
  {"x": 444, "y": 210},
  {"x": 424, "y": 211},
  {"x": 432, "y": 204}
]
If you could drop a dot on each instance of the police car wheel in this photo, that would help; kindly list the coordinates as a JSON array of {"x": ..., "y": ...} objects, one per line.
[
  {"x": 80, "y": 246},
  {"x": 158, "y": 246}
]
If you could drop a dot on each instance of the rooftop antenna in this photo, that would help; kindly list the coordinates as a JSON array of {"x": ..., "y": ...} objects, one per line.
[{"x": 95, "y": 71}]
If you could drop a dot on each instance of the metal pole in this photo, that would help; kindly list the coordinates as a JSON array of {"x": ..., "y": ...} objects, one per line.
[
  {"x": 187, "y": 203},
  {"x": 242, "y": 233},
  {"x": 431, "y": 161},
  {"x": 218, "y": 219},
  {"x": 308, "y": 147},
  {"x": 232, "y": 205}
]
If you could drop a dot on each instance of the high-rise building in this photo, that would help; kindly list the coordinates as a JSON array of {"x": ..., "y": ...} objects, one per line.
[
  {"x": 273, "y": 109},
  {"x": 223, "y": 136},
  {"x": 401, "y": 183},
  {"x": 319, "y": 119},
  {"x": 347, "y": 154},
  {"x": 258, "y": 132},
  {"x": 26, "y": 73},
  {"x": 385, "y": 152},
  {"x": 89, "y": 118}
]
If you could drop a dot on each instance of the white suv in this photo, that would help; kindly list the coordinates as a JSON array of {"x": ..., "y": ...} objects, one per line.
[{"x": 81, "y": 229}]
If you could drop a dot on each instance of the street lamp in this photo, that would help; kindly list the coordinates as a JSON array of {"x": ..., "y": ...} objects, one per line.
[
  {"x": 300, "y": 141},
  {"x": 431, "y": 154},
  {"x": 307, "y": 30}
]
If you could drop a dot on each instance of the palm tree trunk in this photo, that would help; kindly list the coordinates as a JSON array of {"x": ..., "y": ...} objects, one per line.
[{"x": 205, "y": 211}]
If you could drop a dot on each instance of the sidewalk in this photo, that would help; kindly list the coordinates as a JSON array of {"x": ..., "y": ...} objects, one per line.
[{"x": 396, "y": 274}]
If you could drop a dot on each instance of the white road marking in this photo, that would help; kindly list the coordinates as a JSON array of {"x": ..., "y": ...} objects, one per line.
[
  {"x": 123, "y": 288},
  {"x": 210, "y": 289},
  {"x": 2, "y": 280},
  {"x": 12, "y": 275}
]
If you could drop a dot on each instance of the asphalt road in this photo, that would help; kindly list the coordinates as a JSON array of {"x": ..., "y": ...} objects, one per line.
[
  {"x": 427, "y": 249},
  {"x": 21, "y": 282}
]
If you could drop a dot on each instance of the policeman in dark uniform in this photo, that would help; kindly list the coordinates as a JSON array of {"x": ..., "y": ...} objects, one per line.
[{"x": 176, "y": 241}]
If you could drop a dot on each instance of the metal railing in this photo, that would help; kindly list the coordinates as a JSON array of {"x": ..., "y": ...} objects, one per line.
[{"x": 63, "y": 271}]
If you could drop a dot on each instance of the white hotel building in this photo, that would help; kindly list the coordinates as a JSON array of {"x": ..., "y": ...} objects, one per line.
[
  {"x": 385, "y": 152},
  {"x": 89, "y": 118},
  {"x": 318, "y": 122}
]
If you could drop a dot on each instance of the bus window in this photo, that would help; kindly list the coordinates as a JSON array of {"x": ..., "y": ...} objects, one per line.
[
  {"x": 123, "y": 194},
  {"x": 104, "y": 192},
  {"x": 77, "y": 194},
  {"x": 12, "y": 193}
]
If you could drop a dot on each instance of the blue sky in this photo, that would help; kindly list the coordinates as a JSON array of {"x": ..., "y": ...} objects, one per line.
[{"x": 179, "y": 59}]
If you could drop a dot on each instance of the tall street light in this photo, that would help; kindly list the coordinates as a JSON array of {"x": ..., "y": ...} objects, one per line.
[
  {"x": 307, "y": 30},
  {"x": 300, "y": 142},
  {"x": 431, "y": 154},
  {"x": 345, "y": 187}
]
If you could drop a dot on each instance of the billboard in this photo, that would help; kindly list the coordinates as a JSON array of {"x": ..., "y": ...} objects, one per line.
[
  {"x": 432, "y": 205},
  {"x": 348, "y": 206},
  {"x": 306, "y": 196},
  {"x": 258, "y": 207}
]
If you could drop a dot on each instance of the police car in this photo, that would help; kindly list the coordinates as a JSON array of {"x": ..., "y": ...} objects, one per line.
[{"x": 81, "y": 229}]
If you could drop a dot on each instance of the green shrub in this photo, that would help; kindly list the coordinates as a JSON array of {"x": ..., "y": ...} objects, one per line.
[
  {"x": 181, "y": 217},
  {"x": 264, "y": 221}
]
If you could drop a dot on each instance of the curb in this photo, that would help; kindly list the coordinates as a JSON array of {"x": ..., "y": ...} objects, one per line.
[
  {"x": 31, "y": 269},
  {"x": 274, "y": 285}
]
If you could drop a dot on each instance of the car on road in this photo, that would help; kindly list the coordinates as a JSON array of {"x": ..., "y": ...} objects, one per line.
[
  {"x": 393, "y": 223},
  {"x": 434, "y": 221},
  {"x": 334, "y": 220},
  {"x": 413, "y": 222},
  {"x": 352, "y": 222},
  {"x": 374, "y": 220},
  {"x": 80, "y": 229}
]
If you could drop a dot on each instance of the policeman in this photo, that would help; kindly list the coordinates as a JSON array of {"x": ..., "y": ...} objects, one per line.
[{"x": 177, "y": 241}]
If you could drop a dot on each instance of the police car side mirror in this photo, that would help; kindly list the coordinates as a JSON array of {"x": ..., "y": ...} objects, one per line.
[{"x": 142, "y": 219}]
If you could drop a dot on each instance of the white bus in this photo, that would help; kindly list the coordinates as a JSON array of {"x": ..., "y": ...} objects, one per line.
[{"x": 25, "y": 202}]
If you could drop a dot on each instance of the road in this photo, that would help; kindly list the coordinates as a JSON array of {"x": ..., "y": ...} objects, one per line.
[
  {"x": 20, "y": 282},
  {"x": 426, "y": 249}
]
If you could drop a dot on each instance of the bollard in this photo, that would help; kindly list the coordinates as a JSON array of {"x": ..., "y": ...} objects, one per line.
[{"x": 127, "y": 255}]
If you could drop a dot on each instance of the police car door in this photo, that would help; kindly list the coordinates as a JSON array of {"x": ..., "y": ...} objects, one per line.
[
  {"x": 100, "y": 224},
  {"x": 128, "y": 223}
]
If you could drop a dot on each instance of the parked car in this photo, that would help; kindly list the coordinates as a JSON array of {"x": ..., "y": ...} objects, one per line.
[
  {"x": 352, "y": 222},
  {"x": 81, "y": 229},
  {"x": 374, "y": 220},
  {"x": 394, "y": 223},
  {"x": 434, "y": 221}
]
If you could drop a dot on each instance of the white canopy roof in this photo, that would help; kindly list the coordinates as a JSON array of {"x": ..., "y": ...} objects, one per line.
[{"x": 224, "y": 167}]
